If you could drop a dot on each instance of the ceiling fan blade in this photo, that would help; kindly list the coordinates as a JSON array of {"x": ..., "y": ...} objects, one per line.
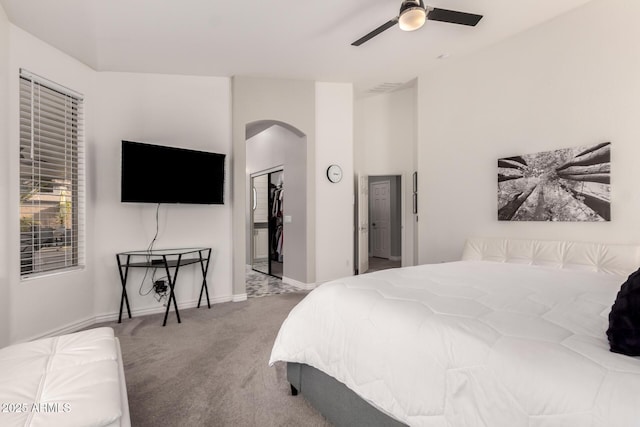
[
  {"x": 375, "y": 32},
  {"x": 454, "y": 17}
]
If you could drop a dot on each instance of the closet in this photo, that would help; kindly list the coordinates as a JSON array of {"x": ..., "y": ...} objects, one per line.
[{"x": 267, "y": 222}]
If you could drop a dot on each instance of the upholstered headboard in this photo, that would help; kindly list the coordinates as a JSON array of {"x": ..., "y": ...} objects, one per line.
[{"x": 621, "y": 260}]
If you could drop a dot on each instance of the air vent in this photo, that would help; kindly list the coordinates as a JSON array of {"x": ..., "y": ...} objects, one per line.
[{"x": 385, "y": 87}]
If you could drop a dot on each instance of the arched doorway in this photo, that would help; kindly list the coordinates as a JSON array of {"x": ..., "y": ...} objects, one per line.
[{"x": 276, "y": 203}]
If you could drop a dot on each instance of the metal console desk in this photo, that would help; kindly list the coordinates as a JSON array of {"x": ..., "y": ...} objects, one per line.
[{"x": 167, "y": 259}]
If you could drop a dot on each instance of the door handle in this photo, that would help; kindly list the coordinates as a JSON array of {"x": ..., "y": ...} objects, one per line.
[{"x": 255, "y": 198}]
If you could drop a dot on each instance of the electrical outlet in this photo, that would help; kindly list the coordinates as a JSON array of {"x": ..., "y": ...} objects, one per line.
[{"x": 160, "y": 286}]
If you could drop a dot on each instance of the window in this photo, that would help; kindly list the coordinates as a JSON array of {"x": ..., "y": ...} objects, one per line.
[{"x": 51, "y": 177}]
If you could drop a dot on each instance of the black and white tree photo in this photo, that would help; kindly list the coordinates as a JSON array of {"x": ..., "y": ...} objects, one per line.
[{"x": 571, "y": 184}]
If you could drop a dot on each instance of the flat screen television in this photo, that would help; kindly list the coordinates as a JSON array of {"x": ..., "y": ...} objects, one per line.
[{"x": 159, "y": 174}]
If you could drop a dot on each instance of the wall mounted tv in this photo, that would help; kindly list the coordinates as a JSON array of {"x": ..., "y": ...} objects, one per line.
[{"x": 160, "y": 174}]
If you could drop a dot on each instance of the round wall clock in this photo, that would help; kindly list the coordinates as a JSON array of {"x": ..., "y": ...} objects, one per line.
[{"x": 334, "y": 173}]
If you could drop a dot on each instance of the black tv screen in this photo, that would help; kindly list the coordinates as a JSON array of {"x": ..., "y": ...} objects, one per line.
[{"x": 159, "y": 174}]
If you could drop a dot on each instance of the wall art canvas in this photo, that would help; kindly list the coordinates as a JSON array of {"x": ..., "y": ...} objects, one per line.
[{"x": 571, "y": 184}]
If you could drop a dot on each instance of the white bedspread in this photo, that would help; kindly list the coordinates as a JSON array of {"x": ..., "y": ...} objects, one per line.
[{"x": 471, "y": 343}]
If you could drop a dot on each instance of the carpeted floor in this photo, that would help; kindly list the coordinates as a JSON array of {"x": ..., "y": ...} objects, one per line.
[{"x": 211, "y": 370}]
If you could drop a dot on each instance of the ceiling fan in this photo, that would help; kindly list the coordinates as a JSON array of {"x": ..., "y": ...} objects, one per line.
[{"x": 413, "y": 14}]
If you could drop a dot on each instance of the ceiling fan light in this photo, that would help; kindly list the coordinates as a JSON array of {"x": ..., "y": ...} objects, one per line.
[{"x": 411, "y": 19}]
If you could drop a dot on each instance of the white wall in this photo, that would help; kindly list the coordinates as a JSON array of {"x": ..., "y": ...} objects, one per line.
[
  {"x": 5, "y": 331},
  {"x": 52, "y": 302},
  {"x": 385, "y": 136},
  {"x": 278, "y": 146},
  {"x": 268, "y": 149},
  {"x": 571, "y": 82},
  {"x": 181, "y": 111},
  {"x": 334, "y": 201},
  {"x": 385, "y": 144}
]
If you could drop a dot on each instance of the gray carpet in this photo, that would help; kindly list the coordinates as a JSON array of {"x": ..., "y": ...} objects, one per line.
[{"x": 211, "y": 370}]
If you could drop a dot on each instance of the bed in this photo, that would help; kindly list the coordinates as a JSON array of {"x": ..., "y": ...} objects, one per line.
[{"x": 511, "y": 335}]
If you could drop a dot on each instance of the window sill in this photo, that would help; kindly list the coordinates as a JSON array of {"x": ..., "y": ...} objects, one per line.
[{"x": 36, "y": 276}]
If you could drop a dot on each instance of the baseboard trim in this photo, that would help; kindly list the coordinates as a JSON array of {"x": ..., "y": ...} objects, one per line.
[
  {"x": 66, "y": 329},
  {"x": 395, "y": 258},
  {"x": 299, "y": 285},
  {"x": 110, "y": 317},
  {"x": 239, "y": 297}
]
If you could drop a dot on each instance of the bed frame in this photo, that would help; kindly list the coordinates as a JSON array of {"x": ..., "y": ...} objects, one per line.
[
  {"x": 343, "y": 407},
  {"x": 334, "y": 400}
]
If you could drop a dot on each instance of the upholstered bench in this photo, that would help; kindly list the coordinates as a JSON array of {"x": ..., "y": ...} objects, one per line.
[{"x": 69, "y": 380}]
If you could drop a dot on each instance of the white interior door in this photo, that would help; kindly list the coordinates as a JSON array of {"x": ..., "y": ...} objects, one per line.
[
  {"x": 363, "y": 224},
  {"x": 381, "y": 219}
]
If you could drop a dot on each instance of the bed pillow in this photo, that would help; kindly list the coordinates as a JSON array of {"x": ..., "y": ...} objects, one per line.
[{"x": 624, "y": 319}]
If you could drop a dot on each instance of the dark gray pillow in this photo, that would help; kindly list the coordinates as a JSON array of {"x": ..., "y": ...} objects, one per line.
[{"x": 624, "y": 319}]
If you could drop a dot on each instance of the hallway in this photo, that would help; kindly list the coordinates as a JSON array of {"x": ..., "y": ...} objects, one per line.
[{"x": 377, "y": 264}]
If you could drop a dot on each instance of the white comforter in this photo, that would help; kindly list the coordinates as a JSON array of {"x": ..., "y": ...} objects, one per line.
[{"x": 471, "y": 343}]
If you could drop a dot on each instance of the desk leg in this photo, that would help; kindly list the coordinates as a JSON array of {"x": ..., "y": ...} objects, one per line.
[
  {"x": 204, "y": 266},
  {"x": 123, "y": 281},
  {"x": 172, "y": 283}
]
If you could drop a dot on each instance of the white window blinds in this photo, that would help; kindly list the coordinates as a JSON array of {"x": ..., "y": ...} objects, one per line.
[{"x": 51, "y": 177}]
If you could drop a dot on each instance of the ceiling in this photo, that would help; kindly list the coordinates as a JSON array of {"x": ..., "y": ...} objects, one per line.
[{"x": 297, "y": 39}]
